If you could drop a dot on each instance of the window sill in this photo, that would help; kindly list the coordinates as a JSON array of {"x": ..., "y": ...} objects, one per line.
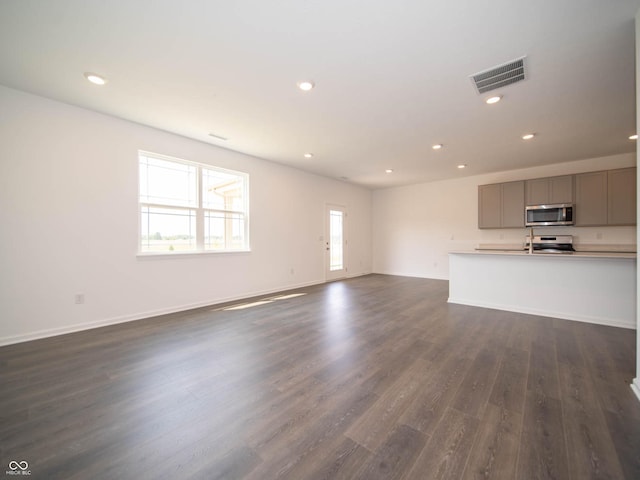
[{"x": 158, "y": 255}]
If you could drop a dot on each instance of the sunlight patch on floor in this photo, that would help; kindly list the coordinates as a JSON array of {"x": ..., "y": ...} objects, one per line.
[{"x": 242, "y": 306}]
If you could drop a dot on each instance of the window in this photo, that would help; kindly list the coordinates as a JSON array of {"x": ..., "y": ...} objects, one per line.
[{"x": 189, "y": 207}]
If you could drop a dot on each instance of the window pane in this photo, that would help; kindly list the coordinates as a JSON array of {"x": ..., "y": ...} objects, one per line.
[
  {"x": 222, "y": 190},
  {"x": 335, "y": 233},
  {"x": 167, "y": 229},
  {"x": 187, "y": 206},
  {"x": 224, "y": 231},
  {"x": 168, "y": 183}
]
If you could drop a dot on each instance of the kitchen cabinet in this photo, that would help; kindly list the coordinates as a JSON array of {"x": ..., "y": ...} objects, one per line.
[
  {"x": 606, "y": 198},
  {"x": 501, "y": 205},
  {"x": 489, "y": 206},
  {"x": 621, "y": 196},
  {"x": 545, "y": 191},
  {"x": 591, "y": 199},
  {"x": 513, "y": 204}
]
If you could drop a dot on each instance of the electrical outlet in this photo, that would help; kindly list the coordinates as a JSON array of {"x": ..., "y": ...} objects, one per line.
[
  {"x": 599, "y": 235},
  {"x": 78, "y": 298}
]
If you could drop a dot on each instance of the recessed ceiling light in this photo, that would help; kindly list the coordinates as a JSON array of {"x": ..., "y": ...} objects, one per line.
[
  {"x": 308, "y": 155},
  {"x": 95, "y": 78},
  {"x": 388, "y": 170},
  {"x": 528, "y": 136},
  {"x": 437, "y": 146},
  {"x": 462, "y": 166},
  {"x": 218, "y": 137},
  {"x": 306, "y": 85},
  {"x": 633, "y": 137},
  {"x": 492, "y": 100}
]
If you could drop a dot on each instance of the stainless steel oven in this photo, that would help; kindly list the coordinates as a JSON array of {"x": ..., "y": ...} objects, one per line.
[
  {"x": 550, "y": 243},
  {"x": 548, "y": 215}
]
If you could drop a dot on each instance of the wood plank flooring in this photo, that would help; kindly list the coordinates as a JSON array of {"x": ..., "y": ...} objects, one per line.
[{"x": 375, "y": 377}]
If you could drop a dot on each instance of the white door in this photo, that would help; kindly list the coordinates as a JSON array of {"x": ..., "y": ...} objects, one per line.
[{"x": 335, "y": 242}]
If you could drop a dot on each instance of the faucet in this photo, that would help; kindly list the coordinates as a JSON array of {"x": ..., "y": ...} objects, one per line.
[{"x": 531, "y": 240}]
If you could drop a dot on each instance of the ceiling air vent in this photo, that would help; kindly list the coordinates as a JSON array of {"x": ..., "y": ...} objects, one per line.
[{"x": 500, "y": 76}]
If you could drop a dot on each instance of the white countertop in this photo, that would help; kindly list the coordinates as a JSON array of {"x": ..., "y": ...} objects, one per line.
[{"x": 523, "y": 253}]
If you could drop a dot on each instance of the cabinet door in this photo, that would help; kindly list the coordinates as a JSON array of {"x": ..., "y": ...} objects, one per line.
[
  {"x": 513, "y": 204},
  {"x": 489, "y": 206},
  {"x": 561, "y": 189},
  {"x": 543, "y": 191},
  {"x": 591, "y": 199},
  {"x": 621, "y": 205},
  {"x": 537, "y": 191}
]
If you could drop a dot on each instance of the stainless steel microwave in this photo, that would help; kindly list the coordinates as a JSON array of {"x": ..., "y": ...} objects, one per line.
[{"x": 548, "y": 215}]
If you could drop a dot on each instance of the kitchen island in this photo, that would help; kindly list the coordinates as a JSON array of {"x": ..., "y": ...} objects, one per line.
[{"x": 592, "y": 287}]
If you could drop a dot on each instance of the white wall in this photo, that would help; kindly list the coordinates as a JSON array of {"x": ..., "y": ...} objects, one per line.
[
  {"x": 415, "y": 227},
  {"x": 69, "y": 219}
]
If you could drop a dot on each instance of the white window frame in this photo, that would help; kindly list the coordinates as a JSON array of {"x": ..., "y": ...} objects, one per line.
[{"x": 199, "y": 209}]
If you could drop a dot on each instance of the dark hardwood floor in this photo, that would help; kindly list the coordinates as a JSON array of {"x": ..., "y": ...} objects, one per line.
[{"x": 370, "y": 378}]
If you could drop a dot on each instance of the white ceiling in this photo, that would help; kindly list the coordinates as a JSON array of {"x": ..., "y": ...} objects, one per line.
[{"x": 392, "y": 77}]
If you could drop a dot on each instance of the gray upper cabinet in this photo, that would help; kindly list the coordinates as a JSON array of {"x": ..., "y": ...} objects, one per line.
[
  {"x": 544, "y": 191},
  {"x": 537, "y": 191},
  {"x": 591, "y": 199},
  {"x": 606, "y": 198},
  {"x": 513, "y": 204},
  {"x": 600, "y": 198},
  {"x": 561, "y": 189},
  {"x": 489, "y": 206},
  {"x": 621, "y": 196},
  {"x": 501, "y": 205}
]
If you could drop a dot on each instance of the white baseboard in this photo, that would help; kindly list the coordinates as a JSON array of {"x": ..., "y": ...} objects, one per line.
[
  {"x": 610, "y": 322},
  {"x": 635, "y": 386},
  {"x": 355, "y": 275},
  {"x": 412, "y": 275},
  {"x": 52, "y": 332}
]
